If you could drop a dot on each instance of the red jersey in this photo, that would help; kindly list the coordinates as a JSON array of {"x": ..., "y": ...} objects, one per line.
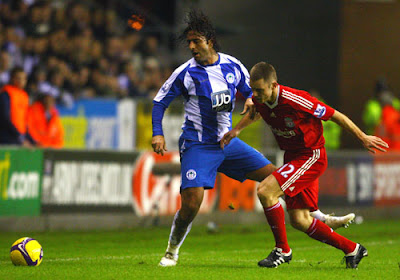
[{"x": 295, "y": 119}]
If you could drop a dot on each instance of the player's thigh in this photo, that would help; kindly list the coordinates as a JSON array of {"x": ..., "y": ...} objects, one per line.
[
  {"x": 301, "y": 172},
  {"x": 261, "y": 173},
  {"x": 242, "y": 160},
  {"x": 199, "y": 164}
]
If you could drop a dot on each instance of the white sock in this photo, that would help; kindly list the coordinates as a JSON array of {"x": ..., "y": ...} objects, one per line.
[
  {"x": 317, "y": 214},
  {"x": 175, "y": 242},
  {"x": 354, "y": 252}
]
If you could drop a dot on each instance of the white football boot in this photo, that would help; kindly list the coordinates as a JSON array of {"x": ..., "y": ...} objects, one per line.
[
  {"x": 169, "y": 259},
  {"x": 342, "y": 221}
]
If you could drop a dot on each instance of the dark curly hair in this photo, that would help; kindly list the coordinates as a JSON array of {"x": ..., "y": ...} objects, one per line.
[{"x": 197, "y": 21}]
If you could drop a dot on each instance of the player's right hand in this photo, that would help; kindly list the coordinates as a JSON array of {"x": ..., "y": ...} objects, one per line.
[
  {"x": 158, "y": 143},
  {"x": 226, "y": 139}
]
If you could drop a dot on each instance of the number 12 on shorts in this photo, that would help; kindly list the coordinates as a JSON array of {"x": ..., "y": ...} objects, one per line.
[{"x": 290, "y": 169}]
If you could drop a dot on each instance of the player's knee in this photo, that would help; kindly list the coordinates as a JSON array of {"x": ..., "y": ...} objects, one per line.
[
  {"x": 265, "y": 194},
  {"x": 191, "y": 205},
  {"x": 262, "y": 191},
  {"x": 191, "y": 201},
  {"x": 269, "y": 189}
]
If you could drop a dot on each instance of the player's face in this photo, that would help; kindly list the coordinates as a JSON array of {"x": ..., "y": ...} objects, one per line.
[
  {"x": 262, "y": 90},
  {"x": 201, "y": 49}
]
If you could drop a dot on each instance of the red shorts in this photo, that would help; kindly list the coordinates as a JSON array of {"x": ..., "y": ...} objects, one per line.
[{"x": 298, "y": 178}]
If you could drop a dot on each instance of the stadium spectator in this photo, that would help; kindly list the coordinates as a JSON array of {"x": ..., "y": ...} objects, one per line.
[
  {"x": 13, "y": 11},
  {"x": 128, "y": 80},
  {"x": 38, "y": 76},
  {"x": 12, "y": 41},
  {"x": 14, "y": 102},
  {"x": 38, "y": 23},
  {"x": 5, "y": 66},
  {"x": 373, "y": 108},
  {"x": 152, "y": 77},
  {"x": 44, "y": 124},
  {"x": 388, "y": 127},
  {"x": 295, "y": 119}
]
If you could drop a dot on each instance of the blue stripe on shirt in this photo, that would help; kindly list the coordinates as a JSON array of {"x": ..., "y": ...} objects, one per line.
[{"x": 203, "y": 91}]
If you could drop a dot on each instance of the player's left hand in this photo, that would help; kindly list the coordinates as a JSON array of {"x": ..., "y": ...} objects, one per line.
[
  {"x": 372, "y": 143},
  {"x": 249, "y": 107},
  {"x": 226, "y": 139}
]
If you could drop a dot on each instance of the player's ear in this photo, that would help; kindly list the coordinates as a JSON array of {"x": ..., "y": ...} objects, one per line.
[
  {"x": 210, "y": 43},
  {"x": 274, "y": 84}
]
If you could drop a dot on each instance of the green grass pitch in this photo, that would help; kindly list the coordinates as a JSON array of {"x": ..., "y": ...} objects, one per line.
[{"x": 232, "y": 253}]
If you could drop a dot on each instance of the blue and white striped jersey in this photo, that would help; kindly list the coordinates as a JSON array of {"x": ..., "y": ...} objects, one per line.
[{"x": 209, "y": 97}]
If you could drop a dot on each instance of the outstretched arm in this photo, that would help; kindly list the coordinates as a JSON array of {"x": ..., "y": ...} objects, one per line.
[
  {"x": 370, "y": 142},
  {"x": 244, "y": 122}
]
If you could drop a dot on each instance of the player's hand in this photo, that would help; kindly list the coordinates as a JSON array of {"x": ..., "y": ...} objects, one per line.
[
  {"x": 249, "y": 107},
  {"x": 372, "y": 143},
  {"x": 158, "y": 143},
  {"x": 226, "y": 139}
]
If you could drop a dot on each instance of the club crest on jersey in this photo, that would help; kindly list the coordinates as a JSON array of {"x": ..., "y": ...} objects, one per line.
[
  {"x": 272, "y": 115},
  {"x": 320, "y": 111},
  {"x": 165, "y": 87},
  {"x": 289, "y": 122},
  {"x": 191, "y": 174},
  {"x": 230, "y": 78}
]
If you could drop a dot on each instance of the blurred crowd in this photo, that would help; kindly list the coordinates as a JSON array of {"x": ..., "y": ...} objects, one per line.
[
  {"x": 381, "y": 115},
  {"x": 79, "y": 50}
]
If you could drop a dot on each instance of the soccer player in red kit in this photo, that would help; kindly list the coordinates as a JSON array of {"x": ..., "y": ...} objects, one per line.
[{"x": 294, "y": 117}]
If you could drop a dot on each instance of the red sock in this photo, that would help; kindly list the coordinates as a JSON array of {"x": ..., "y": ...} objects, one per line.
[
  {"x": 321, "y": 232},
  {"x": 276, "y": 220}
]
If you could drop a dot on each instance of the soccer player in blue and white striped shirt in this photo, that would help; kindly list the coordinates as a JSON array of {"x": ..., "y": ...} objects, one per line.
[{"x": 208, "y": 83}]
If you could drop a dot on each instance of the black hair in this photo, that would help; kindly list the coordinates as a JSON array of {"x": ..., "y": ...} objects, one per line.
[{"x": 198, "y": 22}]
